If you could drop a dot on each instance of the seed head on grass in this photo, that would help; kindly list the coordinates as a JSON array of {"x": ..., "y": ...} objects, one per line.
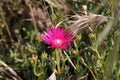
[{"x": 57, "y": 37}]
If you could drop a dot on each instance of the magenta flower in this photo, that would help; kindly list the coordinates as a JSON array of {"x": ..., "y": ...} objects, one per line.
[{"x": 57, "y": 37}]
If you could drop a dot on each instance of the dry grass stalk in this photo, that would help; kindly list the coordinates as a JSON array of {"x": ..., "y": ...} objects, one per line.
[
  {"x": 9, "y": 71},
  {"x": 80, "y": 22}
]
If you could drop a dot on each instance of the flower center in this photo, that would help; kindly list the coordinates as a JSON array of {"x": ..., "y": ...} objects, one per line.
[{"x": 58, "y": 42}]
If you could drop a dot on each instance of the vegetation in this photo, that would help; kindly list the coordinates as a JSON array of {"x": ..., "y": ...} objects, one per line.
[{"x": 93, "y": 55}]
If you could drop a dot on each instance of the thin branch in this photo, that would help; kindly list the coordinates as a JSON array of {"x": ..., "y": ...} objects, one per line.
[{"x": 70, "y": 60}]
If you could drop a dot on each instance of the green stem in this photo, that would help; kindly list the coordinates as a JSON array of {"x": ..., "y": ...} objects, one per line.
[
  {"x": 57, "y": 55},
  {"x": 95, "y": 48}
]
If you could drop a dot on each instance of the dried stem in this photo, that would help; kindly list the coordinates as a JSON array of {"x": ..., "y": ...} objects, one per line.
[
  {"x": 70, "y": 60},
  {"x": 15, "y": 76},
  {"x": 32, "y": 14},
  {"x": 7, "y": 27}
]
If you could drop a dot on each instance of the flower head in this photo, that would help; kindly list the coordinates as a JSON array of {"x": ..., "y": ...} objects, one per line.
[{"x": 58, "y": 37}]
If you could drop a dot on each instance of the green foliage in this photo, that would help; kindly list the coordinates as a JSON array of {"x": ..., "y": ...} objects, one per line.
[{"x": 94, "y": 55}]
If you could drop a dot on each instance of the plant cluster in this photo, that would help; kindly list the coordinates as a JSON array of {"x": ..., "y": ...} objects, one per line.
[{"x": 60, "y": 40}]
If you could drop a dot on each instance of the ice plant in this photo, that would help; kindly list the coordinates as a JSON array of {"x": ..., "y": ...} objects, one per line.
[{"x": 57, "y": 37}]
